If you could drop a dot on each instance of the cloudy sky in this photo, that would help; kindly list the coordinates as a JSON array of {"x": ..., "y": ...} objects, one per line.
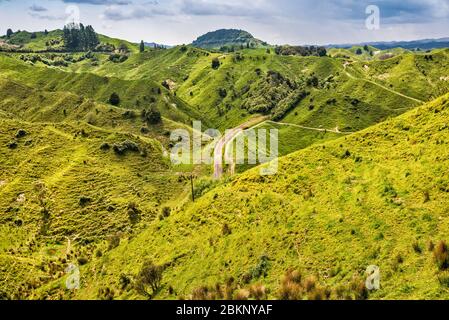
[{"x": 275, "y": 21}]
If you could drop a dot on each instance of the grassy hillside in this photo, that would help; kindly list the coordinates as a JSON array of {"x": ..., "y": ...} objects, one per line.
[
  {"x": 134, "y": 94},
  {"x": 73, "y": 181},
  {"x": 53, "y": 40},
  {"x": 334, "y": 93},
  {"x": 375, "y": 197}
]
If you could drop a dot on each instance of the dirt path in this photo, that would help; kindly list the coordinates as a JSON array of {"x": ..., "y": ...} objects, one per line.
[
  {"x": 380, "y": 86},
  {"x": 228, "y": 138}
]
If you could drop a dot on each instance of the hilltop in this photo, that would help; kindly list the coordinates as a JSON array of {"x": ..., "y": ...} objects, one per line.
[{"x": 227, "y": 38}]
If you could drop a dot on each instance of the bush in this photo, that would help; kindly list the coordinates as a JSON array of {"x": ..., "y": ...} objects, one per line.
[
  {"x": 215, "y": 63},
  {"x": 149, "y": 277},
  {"x": 12, "y": 145},
  {"x": 133, "y": 213},
  {"x": 114, "y": 242},
  {"x": 226, "y": 230},
  {"x": 21, "y": 133},
  {"x": 114, "y": 99},
  {"x": 84, "y": 201},
  {"x": 441, "y": 255},
  {"x": 105, "y": 146},
  {"x": 222, "y": 92}
]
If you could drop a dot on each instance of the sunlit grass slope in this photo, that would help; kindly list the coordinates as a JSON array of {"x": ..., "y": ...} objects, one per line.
[
  {"x": 377, "y": 197},
  {"x": 68, "y": 181}
]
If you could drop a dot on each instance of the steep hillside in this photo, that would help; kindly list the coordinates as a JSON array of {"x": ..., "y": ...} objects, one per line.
[
  {"x": 377, "y": 197},
  {"x": 133, "y": 94},
  {"x": 66, "y": 189}
]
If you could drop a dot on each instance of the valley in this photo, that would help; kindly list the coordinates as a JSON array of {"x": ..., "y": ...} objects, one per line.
[{"x": 86, "y": 176}]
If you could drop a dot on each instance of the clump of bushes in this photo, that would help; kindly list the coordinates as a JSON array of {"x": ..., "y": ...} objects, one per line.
[
  {"x": 296, "y": 287},
  {"x": 12, "y": 145},
  {"x": 165, "y": 213},
  {"x": 124, "y": 147},
  {"x": 118, "y": 58}
]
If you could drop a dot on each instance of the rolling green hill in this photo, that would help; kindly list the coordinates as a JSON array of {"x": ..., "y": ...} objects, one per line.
[
  {"x": 363, "y": 132},
  {"x": 375, "y": 197}
]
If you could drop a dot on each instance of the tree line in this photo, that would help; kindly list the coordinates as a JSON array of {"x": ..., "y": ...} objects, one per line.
[
  {"x": 77, "y": 37},
  {"x": 301, "y": 51}
]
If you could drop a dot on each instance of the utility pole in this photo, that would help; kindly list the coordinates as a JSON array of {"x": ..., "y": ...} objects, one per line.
[{"x": 191, "y": 183}]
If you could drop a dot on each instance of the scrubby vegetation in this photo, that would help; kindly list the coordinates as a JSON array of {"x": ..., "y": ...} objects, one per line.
[{"x": 85, "y": 175}]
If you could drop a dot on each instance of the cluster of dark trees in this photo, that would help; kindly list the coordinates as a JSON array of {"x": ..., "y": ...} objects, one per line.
[
  {"x": 301, "y": 51},
  {"x": 77, "y": 37}
]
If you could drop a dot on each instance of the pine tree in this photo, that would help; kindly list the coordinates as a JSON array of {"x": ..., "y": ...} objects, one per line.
[
  {"x": 9, "y": 33},
  {"x": 142, "y": 46}
]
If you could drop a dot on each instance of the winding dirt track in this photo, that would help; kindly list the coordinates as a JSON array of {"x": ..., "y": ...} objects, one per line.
[{"x": 228, "y": 138}]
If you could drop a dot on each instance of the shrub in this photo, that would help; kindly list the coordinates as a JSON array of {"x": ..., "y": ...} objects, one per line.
[
  {"x": 114, "y": 99},
  {"x": 222, "y": 93},
  {"x": 114, "y": 242},
  {"x": 441, "y": 255},
  {"x": 82, "y": 261},
  {"x": 226, "y": 230},
  {"x": 12, "y": 145},
  {"x": 215, "y": 63},
  {"x": 416, "y": 247},
  {"x": 84, "y": 201},
  {"x": 149, "y": 277},
  {"x": 105, "y": 146},
  {"x": 91, "y": 118},
  {"x": 133, "y": 213},
  {"x": 166, "y": 211},
  {"x": 129, "y": 114},
  {"x": 21, "y": 133}
]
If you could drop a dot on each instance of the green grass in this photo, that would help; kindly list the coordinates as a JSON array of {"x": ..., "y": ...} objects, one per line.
[
  {"x": 341, "y": 203},
  {"x": 332, "y": 210}
]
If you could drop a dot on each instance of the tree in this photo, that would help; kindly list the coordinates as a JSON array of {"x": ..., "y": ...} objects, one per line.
[
  {"x": 46, "y": 32},
  {"x": 365, "y": 47},
  {"x": 33, "y": 35},
  {"x": 150, "y": 276},
  {"x": 114, "y": 99},
  {"x": 215, "y": 63},
  {"x": 142, "y": 46},
  {"x": 9, "y": 33},
  {"x": 78, "y": 37},
  {"x": 359, "y": 51}
]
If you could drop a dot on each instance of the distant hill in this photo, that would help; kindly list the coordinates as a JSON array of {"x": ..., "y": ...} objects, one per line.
[
  {"x": 424, "y": 44},
  {"x": 227, "y": 37}
]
